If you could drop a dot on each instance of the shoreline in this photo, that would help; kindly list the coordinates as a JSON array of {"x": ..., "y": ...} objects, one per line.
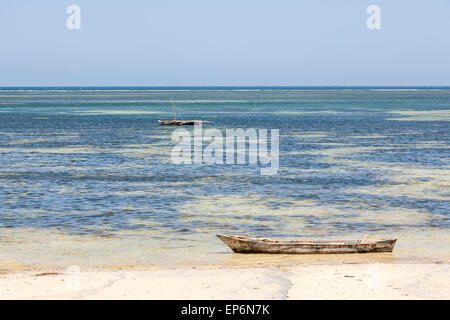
[
  {"x": 347, "y": 280},
  {"x": 229, "y": 261}
]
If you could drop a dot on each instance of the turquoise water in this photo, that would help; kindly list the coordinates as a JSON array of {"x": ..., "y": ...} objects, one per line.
[{"x": 86, "y": 175}]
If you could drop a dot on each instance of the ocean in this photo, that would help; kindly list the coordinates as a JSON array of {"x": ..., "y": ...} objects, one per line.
[{"x": 86, "y": 175}]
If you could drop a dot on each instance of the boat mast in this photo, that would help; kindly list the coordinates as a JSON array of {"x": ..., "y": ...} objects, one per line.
[{"x": 173, "y": 109}]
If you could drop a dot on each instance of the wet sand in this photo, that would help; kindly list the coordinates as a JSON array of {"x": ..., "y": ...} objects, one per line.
[{"x": 326, "y": 281}]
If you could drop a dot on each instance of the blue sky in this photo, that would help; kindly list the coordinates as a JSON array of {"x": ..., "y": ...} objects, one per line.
[{"x": 232, "y": 42}]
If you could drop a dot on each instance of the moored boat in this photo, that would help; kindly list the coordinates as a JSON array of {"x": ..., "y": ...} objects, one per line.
[
  {"x": 181, "y": 122},
  {"x": 240, "y": 244}
]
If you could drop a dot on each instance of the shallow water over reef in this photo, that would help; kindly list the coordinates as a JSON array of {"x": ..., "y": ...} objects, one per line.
[{"x": 86, "y": 176}]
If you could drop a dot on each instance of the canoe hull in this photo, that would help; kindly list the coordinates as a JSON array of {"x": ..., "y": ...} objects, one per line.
[{"x": 255, "y": 245}]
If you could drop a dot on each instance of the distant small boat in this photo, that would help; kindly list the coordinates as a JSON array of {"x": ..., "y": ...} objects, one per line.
[
  {"x": 181, "y": 122},
  {"x": 240, "y": 244}
]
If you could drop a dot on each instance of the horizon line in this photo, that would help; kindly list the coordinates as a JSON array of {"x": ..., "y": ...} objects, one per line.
[{"x": 224, "y": 86}]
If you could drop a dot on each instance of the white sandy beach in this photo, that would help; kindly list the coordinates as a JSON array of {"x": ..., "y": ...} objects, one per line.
[{"x": 333, "y": 281}]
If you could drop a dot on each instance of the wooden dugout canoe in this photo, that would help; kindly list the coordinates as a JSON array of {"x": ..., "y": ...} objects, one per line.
[{"x": 240, "y": 244}]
